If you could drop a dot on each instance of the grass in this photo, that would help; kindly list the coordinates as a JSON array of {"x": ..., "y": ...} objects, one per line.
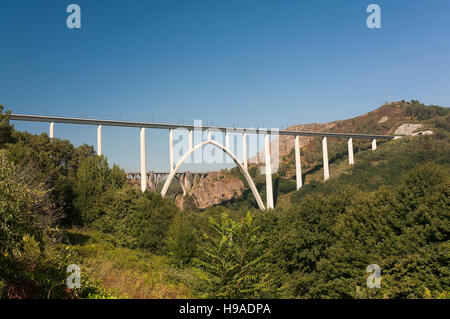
[{"x": 128, "y": 273}]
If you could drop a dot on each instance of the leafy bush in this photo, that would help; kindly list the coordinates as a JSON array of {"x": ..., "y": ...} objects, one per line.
[
  {"x": 136, "y": 220},
  {"x": 93, "y": 179},
  {"x": 422, "y": 112},
  {"x": 150, "y": 223},
  {"x": 2, "y": 287},
  {"x": 234, "y": 261},
  {"x": 183, "y": 238},
  {"x": 5, "y": 128},
  {"x": 24, "y": 207}
]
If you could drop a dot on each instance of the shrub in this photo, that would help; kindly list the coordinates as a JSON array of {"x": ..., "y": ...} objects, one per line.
[
  {"x": 234, "y": 261},
  {"x": 94, "y": 179},
  {"x": 149, "y": 222},
  {"x": 5, "y": 129},
  {"x": 25, "y": 208},
  {"x": 183, "y": 238}
]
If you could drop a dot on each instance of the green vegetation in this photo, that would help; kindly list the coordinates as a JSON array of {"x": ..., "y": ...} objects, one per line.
[
  {"x": 234, "y": 260},
  {"x": 326, "y": 241},
  {"x": 125, "y": 272},
  {"x": 61, "y": 205}
]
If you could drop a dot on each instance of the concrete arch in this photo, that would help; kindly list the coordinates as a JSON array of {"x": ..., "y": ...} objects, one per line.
[{"x": 247, "y": 176}]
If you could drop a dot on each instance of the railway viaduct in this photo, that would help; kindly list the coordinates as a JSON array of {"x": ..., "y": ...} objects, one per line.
[{"x": 156, "y": 178}]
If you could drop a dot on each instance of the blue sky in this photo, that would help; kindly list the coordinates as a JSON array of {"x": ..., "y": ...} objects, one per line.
[{"x": 237, "y": 62}]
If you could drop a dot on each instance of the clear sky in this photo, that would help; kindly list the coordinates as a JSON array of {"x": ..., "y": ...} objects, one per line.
[{"x": 250, "y": 63}]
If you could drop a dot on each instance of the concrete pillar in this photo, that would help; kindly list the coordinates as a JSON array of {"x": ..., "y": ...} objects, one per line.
[
  {"x": 351, "y": 160},
  {"x": 298, "y": 165},
  {"x": 143, "y": 162},
  {"x": 326, "y": 170},
  {"x": 181, "y": 179},
  {"x": 196, "y": 179},
  {"x": 52, "y": 130},
  {"x": 227, "y": 140},
  {"x": 99, "y": 140},
  {"x": 188, "y": 181},
  {"x": 269, "y": 189},
  {"x": 171, "y": 149},
  {"x": 209, "y": 135},
  {"x": 244, "y": 147},
  {"x": 151, "y": 182},
  {"x": 191, "y": 140},
  {"x": 257, "y": 153},
  {"x": 374, "y": 144}
]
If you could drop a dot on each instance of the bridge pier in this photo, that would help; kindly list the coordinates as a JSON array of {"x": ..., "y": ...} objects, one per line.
[
  {"x": 171, "y": 149},
  {"x": 326, "y": 170},
  {"x": 188, "y": 181},
  {"x": 298, "y": 165},
  {"x": 351, "y": 160},
  {"x": 269, "y": 188},
  {"x": 151, "y": 182},
  {"x": 191, "y": 140},
  {"x": 374, "y": 144},
  {"x": 52, "y": 130},
  {"x": 99, "y": 140},
  {"x": 180, "y": 178},
  {"x": 244, "y": 147},
  {"x": 143, "y": 161}
]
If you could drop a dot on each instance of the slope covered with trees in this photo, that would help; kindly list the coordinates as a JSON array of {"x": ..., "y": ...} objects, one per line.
[{"x": 47, "y": 187}]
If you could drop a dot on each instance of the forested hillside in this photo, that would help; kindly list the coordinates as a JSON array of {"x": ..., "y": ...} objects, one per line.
[{"x": 62, "y": 205}]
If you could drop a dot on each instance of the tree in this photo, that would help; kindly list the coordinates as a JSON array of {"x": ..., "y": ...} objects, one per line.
[
  {"x": 234, "y": 261},
  {"x": 25, "y": 207},
  {"x": 5, "y": 128},
  {"x": 183, "y": 238},
  {"x": 93, "y": 179},
  {"x": 150, "y": 222}
]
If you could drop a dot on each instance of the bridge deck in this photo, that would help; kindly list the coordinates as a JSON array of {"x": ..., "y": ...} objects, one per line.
[{"x": 71, "y": 120}]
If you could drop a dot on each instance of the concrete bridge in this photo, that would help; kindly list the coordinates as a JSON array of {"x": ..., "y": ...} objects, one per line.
[
  {"x": 209, "y": 141},
  {"x": 186, "y": 179}
]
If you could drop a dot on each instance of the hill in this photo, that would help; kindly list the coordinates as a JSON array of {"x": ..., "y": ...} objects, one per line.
[
  {"x": 398, "y": 118},
  {"x": 389, "y": 119}
]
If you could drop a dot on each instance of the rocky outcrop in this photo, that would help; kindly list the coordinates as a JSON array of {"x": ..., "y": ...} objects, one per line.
[
  {"x": 411, "y": 130},
  {"x": 427, "y": 132},
  {"x": 383, "y": 119},
  {"x": 407, "y": 129},
  {"x": 214, "y": 189}
]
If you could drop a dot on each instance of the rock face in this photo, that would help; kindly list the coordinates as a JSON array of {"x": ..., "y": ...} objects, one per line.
[
  {"x": 428, "y": 132},
  {"x": 214, "y": 189},
  {"x": 407, "y": 129},
  {"x": 383, "y": 119}
]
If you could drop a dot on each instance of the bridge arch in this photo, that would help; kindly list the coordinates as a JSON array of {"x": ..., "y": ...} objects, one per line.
[{"x": 247, "y": 176}]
